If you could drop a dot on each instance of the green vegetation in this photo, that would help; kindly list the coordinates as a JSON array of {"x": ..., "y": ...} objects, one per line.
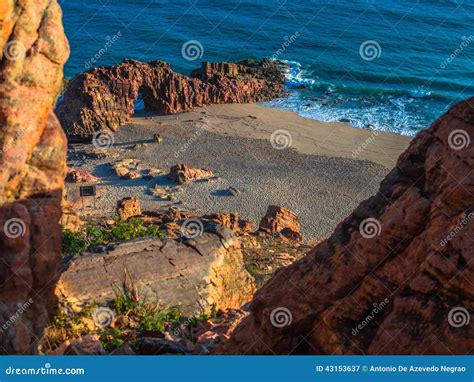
[
  {"x": 94, "y": 235},
  {"x": 133, "y": 316}
]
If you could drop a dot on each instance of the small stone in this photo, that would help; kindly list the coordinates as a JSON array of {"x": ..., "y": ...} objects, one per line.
[
  {"x": 132, "y": 175},
  {"x": 159, "y": 346},
  {"x": 97, "y": 154},
  {"x": 88, "y": 345},
  {"x": 152, "y": 173},
  {"x": 233, "y": 191},
  {"x": 158, "y": 191},
  {"x": 80, "y": 176},
  {"x": 157, "y": 138}
]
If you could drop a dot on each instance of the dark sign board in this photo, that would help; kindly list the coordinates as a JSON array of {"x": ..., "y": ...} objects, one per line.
[{"x": 87, "y": 190}]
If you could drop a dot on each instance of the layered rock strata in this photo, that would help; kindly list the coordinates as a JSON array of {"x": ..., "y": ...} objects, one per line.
[
  {"x": 396, "y": 277},
  {"x": 198, "y": 275},
  {"x": 103, "y": 98},
  {"x": 33, "y": 49}
]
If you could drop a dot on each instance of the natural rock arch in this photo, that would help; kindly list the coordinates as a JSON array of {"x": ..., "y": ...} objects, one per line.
[{"x": 103, "y": 98}]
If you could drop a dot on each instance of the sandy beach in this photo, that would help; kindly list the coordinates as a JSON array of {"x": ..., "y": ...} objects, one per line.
[{"x": 322, "y": 171}]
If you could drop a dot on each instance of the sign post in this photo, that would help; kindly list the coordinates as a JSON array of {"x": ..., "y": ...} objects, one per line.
[{"x": 87, "y": 191}]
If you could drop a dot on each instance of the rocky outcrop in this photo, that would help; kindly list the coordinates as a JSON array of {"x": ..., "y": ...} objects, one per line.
[
  {"x": 103, "y": 98},
  {"x": 231, "y": 221},
  {"x": 33, "y": 49},
  {"x": 279, "y": 220},
  {"x": 199, "y": 274},
  {"x": 128, "y": 207},
  {"x": 182, "y": 174},
  {"x": 396, "y": 276}
]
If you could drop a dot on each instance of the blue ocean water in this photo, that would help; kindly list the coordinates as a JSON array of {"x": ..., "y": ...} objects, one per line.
[{"x": 393, "y": 64}]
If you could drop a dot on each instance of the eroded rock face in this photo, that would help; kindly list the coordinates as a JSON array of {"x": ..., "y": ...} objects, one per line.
[
  {"x": 231, "y": 221},
  {"x": 279, "y": 220},
  {"x": 198, "y": 275},
  {"x": 182, "y": 174},
  {"x": 33, "y": 49},
  {"x": 396, "y": 276},
  {"x": 103, "y": 98},
  {"x": 128, "y": 207}
]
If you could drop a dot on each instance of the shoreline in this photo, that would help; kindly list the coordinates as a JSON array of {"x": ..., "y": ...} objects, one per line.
[
  {"x": 316, "y": 177},
  {"x": 310, "y": 136}
]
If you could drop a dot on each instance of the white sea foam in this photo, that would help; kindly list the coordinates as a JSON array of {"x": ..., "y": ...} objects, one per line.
[{"x": 327, "y": 102}]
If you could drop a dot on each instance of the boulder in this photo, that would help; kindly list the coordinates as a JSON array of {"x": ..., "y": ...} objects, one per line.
[
  {"x": 199, "y": 274},
  {"x": 181, "y": 173},
  {"x": 279, "y": 220},
  {"x": 231, "y": 221},
  {"x": 33, "y": 50},
  {"x": 80, "y": 176},
  {"x": 396, "y": 276},
  {"x": 128, "y": 207},
  {"x": 103, "y": 98}
]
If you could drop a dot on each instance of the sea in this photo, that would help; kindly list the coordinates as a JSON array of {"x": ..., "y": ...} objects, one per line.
[{"x": 389, "y": 65}]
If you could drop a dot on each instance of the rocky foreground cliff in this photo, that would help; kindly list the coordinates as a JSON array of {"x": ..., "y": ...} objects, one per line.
[
  {"x": 397, "y": 276},
  {"x": 103, "y": 98},
  {"x": 33, "y": 49}
]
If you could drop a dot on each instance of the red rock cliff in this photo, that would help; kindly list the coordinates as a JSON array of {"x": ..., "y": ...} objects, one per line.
[
  {"x": 103, "y": 98},
  {"x": 397, "y": 276},
  {"x": 33, "y": 49}
]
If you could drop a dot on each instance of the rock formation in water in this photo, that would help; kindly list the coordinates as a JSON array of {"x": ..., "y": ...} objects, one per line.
[
  {"x": 396, "y": 277},
  {"x": 103, "y": 98},
  {"x": 33, "y": 49}
]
